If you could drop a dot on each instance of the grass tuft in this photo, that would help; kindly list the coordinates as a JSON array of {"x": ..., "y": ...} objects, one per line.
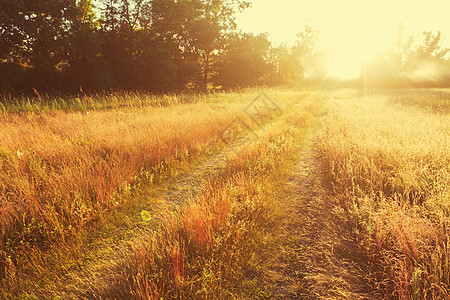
[{"x": 389, "y": 166}]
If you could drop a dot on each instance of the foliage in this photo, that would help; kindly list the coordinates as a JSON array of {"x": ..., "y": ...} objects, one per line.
[
  {"x": 409, "y": 64},
  {"x": 72, "y": 46},
  {"x": 243, "y": 62}
]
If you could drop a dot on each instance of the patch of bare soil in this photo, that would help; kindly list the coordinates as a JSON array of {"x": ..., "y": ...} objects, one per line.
[
  {"x": 188, "y": 183},
  {"x": 314, "y": 256}
]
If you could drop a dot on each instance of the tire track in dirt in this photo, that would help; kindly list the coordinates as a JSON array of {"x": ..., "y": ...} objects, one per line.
[
  {"x": 187, "y": 184},
  {"x": 177, "y": 193},
  {"x": 314, "y": 256}
]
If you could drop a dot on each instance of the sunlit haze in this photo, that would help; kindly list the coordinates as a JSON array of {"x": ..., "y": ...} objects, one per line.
[{"x": 354, "y": 31}]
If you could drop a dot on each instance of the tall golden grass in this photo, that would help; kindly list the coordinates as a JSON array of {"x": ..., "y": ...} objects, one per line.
[
  {"x": 63, "y": 170},
  {"x": 205, "y": 249},
  {"x": 99, "y": 101},
  {"x": 433, "y": 100},
  {"x": 59, "y": 171},
  {"x": 390, "y": 167}
]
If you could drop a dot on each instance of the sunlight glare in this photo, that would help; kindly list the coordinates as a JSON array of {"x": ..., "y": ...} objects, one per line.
[
  {"x": 357, "y": 41},
  {"x": 354, "y": 31}
]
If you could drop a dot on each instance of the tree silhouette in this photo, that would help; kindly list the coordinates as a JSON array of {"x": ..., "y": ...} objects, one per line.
[
  {"x": 244, "y": 62},
  {"x": 69, "y": 46},
  {"x": 209, "y": 24}
]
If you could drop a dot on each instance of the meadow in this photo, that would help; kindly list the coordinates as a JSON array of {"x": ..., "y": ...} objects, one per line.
[
  {"x": 83, "y": 181},
  {"x": 65, "y": 168},
  {"x": 388, "y": 158}
]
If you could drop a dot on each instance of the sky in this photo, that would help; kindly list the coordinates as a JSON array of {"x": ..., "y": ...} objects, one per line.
[{"x": 354, "y": 30}]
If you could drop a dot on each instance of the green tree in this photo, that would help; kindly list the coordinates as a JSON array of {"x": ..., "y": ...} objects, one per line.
[
  {"x": 401, "y": 51},
  {"x": 431, "y": 47},
  {"x": 288, "y": 62},
  {"x": 243, "y": 62},
  {"x": 85, "y": 64},
  {"x": 12, "y": 44},
  {"x": 136, "y": 57},
  {"x": 212, "y": 23},
  {"x": 306, "y": 43},
  {"x": 35, "y": 34},
  {"x": 200, "y": 28}
]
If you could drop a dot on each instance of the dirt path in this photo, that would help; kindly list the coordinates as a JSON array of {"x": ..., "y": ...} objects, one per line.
[
  {"x": 313, "y": 258},
  {"x": 187, "y": 184},
  {"x": 177, "y": 192}
]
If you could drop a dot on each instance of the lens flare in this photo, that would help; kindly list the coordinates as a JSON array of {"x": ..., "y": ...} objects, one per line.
[
  {"x": 161, "y": 203},
  {"x": 146, "y": 216}
]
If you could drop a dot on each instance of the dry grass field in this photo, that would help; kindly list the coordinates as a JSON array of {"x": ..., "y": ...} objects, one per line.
[
  {"x": 60, "y": 170},
  {"x": 389, "y": 159},
  {"x": 87, "y": 205},
  {"x": 224, "y": 149},
  {"x": 64, "y": 171}
]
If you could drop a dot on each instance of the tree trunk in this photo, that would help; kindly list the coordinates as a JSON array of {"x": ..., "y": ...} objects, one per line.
[{"x": 206, "y": 67}]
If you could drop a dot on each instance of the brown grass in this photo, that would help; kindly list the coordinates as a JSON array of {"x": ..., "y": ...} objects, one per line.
[
  {"x": 205, "y": 249},
  {"x": 390, "y": 167},
  {"x": 62, "y": 172}
]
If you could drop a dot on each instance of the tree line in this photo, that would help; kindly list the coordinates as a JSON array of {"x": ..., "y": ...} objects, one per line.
[
  {"x": 72, "y": 46},
  {"x": 67, "y": 46},
  {"x": 410, "y": 63}
]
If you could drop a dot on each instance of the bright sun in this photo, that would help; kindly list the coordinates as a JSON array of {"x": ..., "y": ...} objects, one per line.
[
  {"x": 353, "y": 45},
  {"x": 355, "y": 31}
]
